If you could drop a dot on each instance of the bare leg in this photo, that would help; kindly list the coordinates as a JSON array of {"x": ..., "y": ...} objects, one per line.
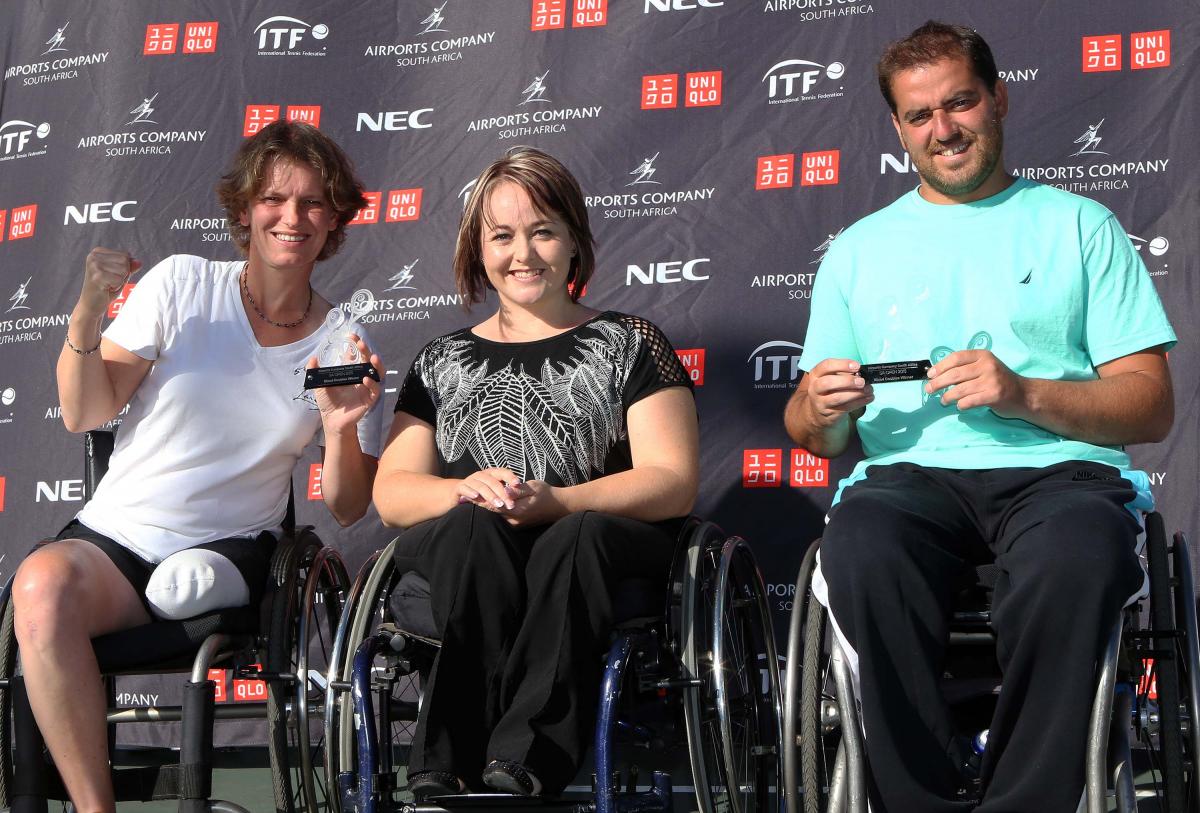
[{"x": 65, "y": 594}]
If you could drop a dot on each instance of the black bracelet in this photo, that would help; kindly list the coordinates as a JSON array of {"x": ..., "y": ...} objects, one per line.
[{"x": 79, "y": 352}]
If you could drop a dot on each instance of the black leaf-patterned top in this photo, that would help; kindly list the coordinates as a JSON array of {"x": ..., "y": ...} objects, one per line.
[{"x": 552, "y": 409}]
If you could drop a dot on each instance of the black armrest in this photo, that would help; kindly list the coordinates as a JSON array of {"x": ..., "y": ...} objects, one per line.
[{"x": 97, "y": 448}]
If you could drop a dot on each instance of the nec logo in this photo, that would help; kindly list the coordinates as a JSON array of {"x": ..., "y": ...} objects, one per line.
[
  {"x": 60, "y": 491},
  {"x": 888, "y": 161},
  {"x": 259, "y": 116},
  {"x": 394, "y": 120},
  {"x": 21, "y": 224},
  {"x": 549, "y": 15},
  {"x": 666, "y": 272},
  {"x": 274, "y": 31},
  {"x": 100, "y": 213},
  {"x": 693, "y": 362},
  {"x": 163, "y": 38},
  {"x": 680, "y": 5},
  {"x": 402, "y": 205}
]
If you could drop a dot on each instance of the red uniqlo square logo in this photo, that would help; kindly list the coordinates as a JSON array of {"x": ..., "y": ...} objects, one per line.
[
  {"x": 548, "y": 14},
  {"x": 161, "y": 38},
  {"x": 762, "y": 468},
  {"x": 775, "y": 171},
  {"x": 1102, "y": 53},
  {"x": 314, "y": 482},
  {"x": 660, "y": 91},
  {"x": 115, "y": 306},
  {"x": 369, "y": 213},
  {"x": 217, "y": 676},
  {"x": 23, "y": 222},
  {"x": 808, "y": 470},
  {"x": 1148, "y": 682},
  {"x": 1150, "y": 49},
  {"x": 259, "y": 116},
  {"x": 703, "y": 89},
  {"x": 403, "y": 204},
  {"x": 1, "y": 494},
  {"x": 819, "y": 168},
  {"x": 589, "y": 13},
  {"x": 693, "y": 362},
  {"x": 3, "y": 218},
  {"x": 200, "y": 38},
  {"x": 244, "y": 690},
  {"x": 307, "y": 113}
]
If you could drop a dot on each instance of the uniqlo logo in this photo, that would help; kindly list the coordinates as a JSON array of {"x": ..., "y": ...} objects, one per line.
[
  {"x": 1, "y": 494},
  {"x": 808, "y": 470},
  {"x": 1150, "y": 49},
  {"x": 403, "y": 204},
  {"x": 775, "y": 171},
  {"x": 762, "y": 468},
  {"x": 314, "y": 482},
  {"x": 703, "y": 89},
  {"x": 590, "y": 13},
  {"x": 819, "y": 168},
  {"x": 217, "y": 676},
  {"x": 369, "y": 213},
  {"x": 1148, "y": 682},
  {"x": 548, "y": 15},
  {"x": 23, "y": 222},
  {"x": 161, "y": 38},
  {"x": 244, "y": 690},
  {"x": 115, "y": 306},
  {"x": 200, "y": 38},
  {"x": 259, "y": 116},
  {"x": 660, "y": 91},
  {"x": 3, "y": 218},
  {"x": 307, "y": 113},
  {"x": 693, "y": 362},
  {"x": 1102, "y": 53}
]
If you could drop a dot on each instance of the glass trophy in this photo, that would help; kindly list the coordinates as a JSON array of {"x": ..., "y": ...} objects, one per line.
[{"x": 339, "y": 361}]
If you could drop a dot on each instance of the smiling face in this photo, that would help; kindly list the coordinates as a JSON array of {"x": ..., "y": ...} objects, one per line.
[
  {"x": 289, "y": 218},
  {"x": 949, "y": 123},
  {"x": 526, "y": 253}
]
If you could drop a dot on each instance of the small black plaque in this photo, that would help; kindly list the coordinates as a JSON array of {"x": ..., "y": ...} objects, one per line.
[
  {"x": 893, "y": 371},
  {"x": 338, "y": 376}
]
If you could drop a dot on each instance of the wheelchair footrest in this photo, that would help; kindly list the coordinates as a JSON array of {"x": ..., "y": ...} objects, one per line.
[{"x": 154, "y": 782}]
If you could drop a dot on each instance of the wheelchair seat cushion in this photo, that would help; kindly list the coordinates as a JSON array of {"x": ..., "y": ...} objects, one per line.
[{"x": 169, "y": 645}]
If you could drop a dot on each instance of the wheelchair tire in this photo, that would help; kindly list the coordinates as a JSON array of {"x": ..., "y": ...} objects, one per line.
[
  {"x": 312, "y": 581},
  {"x": 749, "y": 708}
]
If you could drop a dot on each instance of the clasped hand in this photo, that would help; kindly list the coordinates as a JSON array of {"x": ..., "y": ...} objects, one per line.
[
  {"x": 501, "y": 491},
  {"x": 976, "y": 378},
  {"x": 343, "y": 407}
]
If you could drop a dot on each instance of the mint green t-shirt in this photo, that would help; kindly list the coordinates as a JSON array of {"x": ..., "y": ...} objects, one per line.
[{"x": 1046, "y": 280}]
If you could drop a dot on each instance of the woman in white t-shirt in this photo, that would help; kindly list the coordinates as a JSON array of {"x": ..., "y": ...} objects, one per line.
[{"x": 210, "y": 358}]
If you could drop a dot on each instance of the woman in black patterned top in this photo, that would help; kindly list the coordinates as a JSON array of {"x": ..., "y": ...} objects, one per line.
[{"x": 536, "y": 459}]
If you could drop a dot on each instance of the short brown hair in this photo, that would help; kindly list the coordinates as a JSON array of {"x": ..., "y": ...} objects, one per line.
[
  {"x": 553, "y": 190},
  {"x": 300, "y": 143},
  {"x": 931, "y": 43}
]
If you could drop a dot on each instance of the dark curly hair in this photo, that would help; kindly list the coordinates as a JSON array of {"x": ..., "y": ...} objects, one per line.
[{"x": 933, "y": 42}]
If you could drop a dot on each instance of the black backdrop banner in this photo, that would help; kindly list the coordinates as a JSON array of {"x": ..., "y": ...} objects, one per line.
[{"x": 722, "y": 145}]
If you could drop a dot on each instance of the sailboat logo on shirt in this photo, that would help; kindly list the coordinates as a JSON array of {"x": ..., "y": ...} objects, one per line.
[{"x": 1027, "y": 278}]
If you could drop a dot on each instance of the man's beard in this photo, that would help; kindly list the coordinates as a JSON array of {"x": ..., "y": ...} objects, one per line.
[{"x": 987, "y": 148}]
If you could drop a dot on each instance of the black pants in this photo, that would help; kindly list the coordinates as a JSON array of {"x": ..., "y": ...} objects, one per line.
[
  {"x": 897, "y": 550},
  {"x": 524, "y": 616}
]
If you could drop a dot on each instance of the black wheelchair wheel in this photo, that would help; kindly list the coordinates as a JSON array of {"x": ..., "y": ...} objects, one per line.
[
  {"x": 746, "y": 683},
  {"x": 8, "y": 666},
  {"x": 690, "y": 613},
  {"x": 395, "y": 682},
  {"x": 312, "y": 581}
]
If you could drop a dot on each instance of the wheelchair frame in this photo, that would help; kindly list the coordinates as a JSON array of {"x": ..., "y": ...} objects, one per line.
[
  {"x": 305, "y": 576},
  {"x": 818, "y": 722},
  {"x": 704, "y": 652}
]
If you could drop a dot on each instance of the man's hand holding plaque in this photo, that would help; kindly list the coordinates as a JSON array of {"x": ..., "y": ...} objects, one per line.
[{"x": 342, "y": 360}]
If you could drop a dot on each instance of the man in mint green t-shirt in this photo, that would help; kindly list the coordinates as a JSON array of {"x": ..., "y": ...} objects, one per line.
[{"x": 1047, "y": 342}]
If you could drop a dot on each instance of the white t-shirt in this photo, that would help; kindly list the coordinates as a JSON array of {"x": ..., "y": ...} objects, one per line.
[{"x": 216, "y": 427}]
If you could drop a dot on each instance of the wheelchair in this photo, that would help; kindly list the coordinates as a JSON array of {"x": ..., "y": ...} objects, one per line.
[
  {"x": 282, "y": 642},
  {"x": 1148, "y": 683},
  {"x": 702, "y": 655}
]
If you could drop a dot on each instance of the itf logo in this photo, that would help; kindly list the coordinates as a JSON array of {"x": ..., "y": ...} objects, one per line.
[
  {"x": 284, "y": 36},
  {"x": 259, "y": 116},
  {"x": 16, "y": 139},
  {"x": 548, "y": 15},
  {"x": 163, "y": 38},
  {"x": 700, "y": 89}
]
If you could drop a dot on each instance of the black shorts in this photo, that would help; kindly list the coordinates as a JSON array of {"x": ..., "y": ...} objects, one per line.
[{"x": 252, "y": 558}]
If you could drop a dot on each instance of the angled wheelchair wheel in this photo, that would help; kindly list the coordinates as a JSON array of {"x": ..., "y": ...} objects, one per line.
[
  {"x": 746, "y": 683},
  {"x": 304, "y": 614},
  {"x": 1173, "y": 616}
]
